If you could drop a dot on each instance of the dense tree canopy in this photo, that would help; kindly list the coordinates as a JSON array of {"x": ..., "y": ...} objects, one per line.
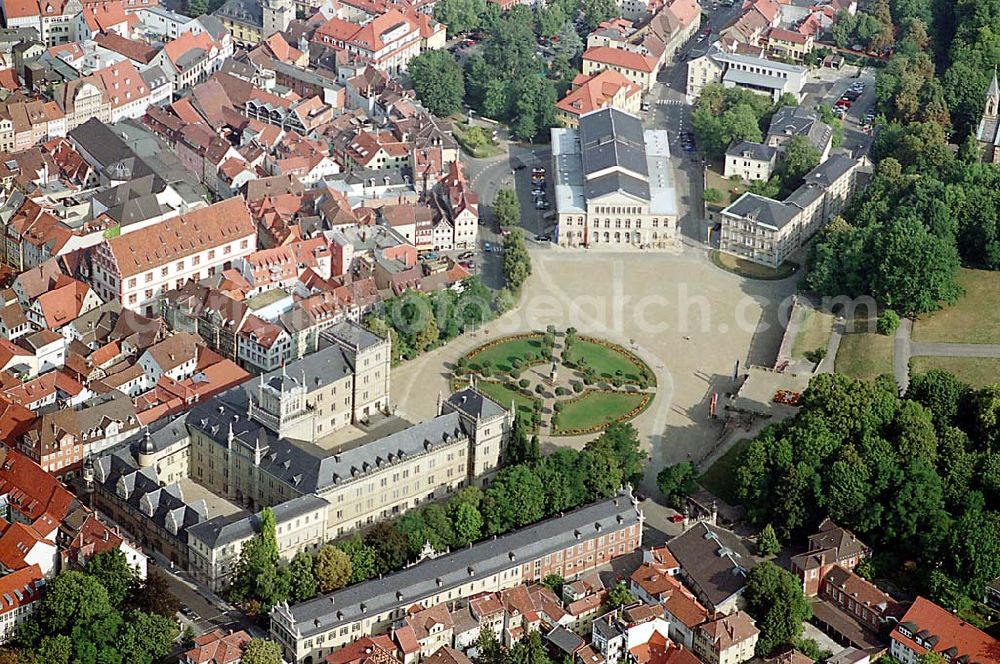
[
  {"x": 774, "y": 596},
  {"x": 438, "y": 81},
  {"x": 914, "y": 477}
]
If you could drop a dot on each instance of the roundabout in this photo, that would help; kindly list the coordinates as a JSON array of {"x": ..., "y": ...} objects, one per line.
[{"x": 563, "y": 383}]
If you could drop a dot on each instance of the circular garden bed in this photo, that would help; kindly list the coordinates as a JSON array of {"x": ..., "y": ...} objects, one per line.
[
  {"x": 597, "y": 380},
  {"x": 593, "y": 410}
]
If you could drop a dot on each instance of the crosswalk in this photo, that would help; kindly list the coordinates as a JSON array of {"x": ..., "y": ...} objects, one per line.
[{"x": 669, "y": 102}]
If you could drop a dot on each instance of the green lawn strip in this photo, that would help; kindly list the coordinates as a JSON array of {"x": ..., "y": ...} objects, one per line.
[
  {"x": 720, "y": 478},
  {"x": 864, "y": 355},
  {"x": 597, "y": 408},
  {"x": 813, "y": 334},
  {"x": 976, "y": 371},
  {"x": 502, "y": 355},
  {"x": 751, "y": 270},
  {"x": 974, "y": 319},
  {"x": 605, "y": 361}
]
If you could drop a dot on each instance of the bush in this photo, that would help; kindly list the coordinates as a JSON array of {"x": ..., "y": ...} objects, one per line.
[
  {"x": 577, "y": 386},
  {"x": 557, "y": 406},
  {"x": 588, "y": 379},
  {"x": 517, "y": 363},
  {"x": 561, "y": 391},
  {"x": 524, "y": 382},
  {"x": 712, "y": 195},
  {"x": 887, "y": 323},
  {"x": 540, "y": 389},
  {"x": 816, "y": 356}
]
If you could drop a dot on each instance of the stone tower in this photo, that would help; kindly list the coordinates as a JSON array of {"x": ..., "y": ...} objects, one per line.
[
  {"x": 277, "y": 15},
  {"x": 988, "y": 132}
]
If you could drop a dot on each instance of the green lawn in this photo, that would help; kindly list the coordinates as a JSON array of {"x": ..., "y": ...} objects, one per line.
[
  {"x": 864, "y": 355},
  {"x": 501, "y": 355},
  {"x": 720, "y": 479},
  {"x": 597, "y": 408},
  {"x": 976, "y": 371},
  {"x": 503, "y": 394},
  {"x": 730, "y": 192},
  {"x": 975, "y": 319},
  {"x": 604, "y": 360},
  {"x": 752, "y": 270},
  {"x": 813, "y": 334}
]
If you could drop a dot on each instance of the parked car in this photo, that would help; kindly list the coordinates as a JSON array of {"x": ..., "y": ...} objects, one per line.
[
  {"x": 541, "y": 204},
  {"x": 466, "y": 255},
  {"x": 543, "y": 238},
  {"x": 468, "y": 265},
  {"x": 487, "y": 247},
  {"x": 537, "y": 192},
  {"x": 430, "y": 256}
]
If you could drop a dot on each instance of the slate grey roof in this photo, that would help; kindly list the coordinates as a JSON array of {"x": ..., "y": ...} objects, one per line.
[
  {"x": 565, "y": 640},
  {"x": 476, "y": 404},
  {"x": 223, "y": 530},
  {"x": 749, "y": 150},
  {"x": 830, "y": 170},
  {"x": 162, "y": 433},
  {"x": 104, "y": 149},
  {"x": 301, "y": 469},
  {"x": 750, "y": 79},
  {"x": 247, "y": 12},
  {"x": 430, "y": 577},
  {"x": 800, "y": 121},
  {"x": 610, "y": 138},
  {"x": 615, "y": 182},
  {"x": 763, "y": 210},
  {"x": 214, "y": 26},
  {"x": 713, "y": 559},
  {"x": 353, "y": 335},
  {"x": 169, "y": 509}
]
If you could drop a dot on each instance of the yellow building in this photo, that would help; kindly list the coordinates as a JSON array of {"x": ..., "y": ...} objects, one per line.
[
  {"x": 591, "y": 92},
  {"x": 638, "y": 68}
]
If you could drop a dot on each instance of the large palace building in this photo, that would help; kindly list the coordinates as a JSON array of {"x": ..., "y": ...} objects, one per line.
[{"x": 283, "y": 441}]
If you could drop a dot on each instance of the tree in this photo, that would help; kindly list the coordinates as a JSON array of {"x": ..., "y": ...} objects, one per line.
[
  {"x": 302, "y": 580},
  {"x": 262, "y": 651},
  {"x": 391, "y": 547},
  {"x": 596, "y": 12},
  {"x": 438, "y": 528},
  {"x": 619, "y": 596},
  {"x": 147, "y": 637},
  {"x": 438, "y": 82},
  {"x": 549, "y": 20},
  {"x": 516, "y": 261},
  {"x": 507, "y": 208},
  {"x": 468, "y": 525},
  {"x": 554, "y": 582},
  {"x": 677, "y": 481},
  {"x": 488, "y": 649},
  {"x": 256, "y": 577},
  {"x": 73, "y": 598},
  {"x": 800, "y": 157},
  {"x": 195, "y": 8},
  {"x": 621, "y": 441},
  {"x": 363, "y": 557},
  {"x": 569, "y": 45},
  {"x": 528, "y": 650},
  {"x": 153, "y": 595},
  {"x": 519, "y": 447},
  {"x": 888, "y": 323},
  {"x": 774, "y": 596},
  {"x": 767, "y": 542},
  {"x": 504, "y": 301},
  {"x": 111, "y": 568},
  {"x": 712, "y": 195}
]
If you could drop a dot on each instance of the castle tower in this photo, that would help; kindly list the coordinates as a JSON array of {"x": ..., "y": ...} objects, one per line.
[{"x": 277, "y": 15}]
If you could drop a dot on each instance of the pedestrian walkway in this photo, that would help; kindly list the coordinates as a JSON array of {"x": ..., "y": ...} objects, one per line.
[{"x": 904, "y": 349}]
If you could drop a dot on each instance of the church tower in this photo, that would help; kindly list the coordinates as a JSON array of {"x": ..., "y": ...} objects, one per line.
[
  {"x": 277, "y": 15},
  {"x": 988, "y": 133},
  {"x": 992, "y": 109}
]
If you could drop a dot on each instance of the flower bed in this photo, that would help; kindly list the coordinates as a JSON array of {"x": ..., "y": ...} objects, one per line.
[
  {"x": 607, "y": 358},
  {"x": 594, "y": 410},
  {"x": 502, "y": 352}
]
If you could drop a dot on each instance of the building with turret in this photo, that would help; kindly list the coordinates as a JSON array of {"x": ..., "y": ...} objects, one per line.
[
  {"x": 988, "y": 132},
  {"x": 283, "y": 441}
]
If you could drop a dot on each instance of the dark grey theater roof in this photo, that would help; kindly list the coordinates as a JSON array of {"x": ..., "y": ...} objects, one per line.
[
  {"x": 476, "y": 404},
  {"x": 324, "y": 367},
  {"x": 610, "y": 138},
  {"x": 830, "y": 170},
  {"x": 615, "y": 182},
  {"x": 437, "y": 575},
  {"x": 763, "y": 210}
]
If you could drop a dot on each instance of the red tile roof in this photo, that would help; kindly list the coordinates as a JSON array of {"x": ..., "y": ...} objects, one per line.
[
  {"x": 218, "y": 647},
  {"x": 182, "y": 236},
  {"x": 597, "y": 91},
  {"x": 20, "y": 588},
  {"x": 620, "y": 58},
  {"x": 945, "y": 631}
]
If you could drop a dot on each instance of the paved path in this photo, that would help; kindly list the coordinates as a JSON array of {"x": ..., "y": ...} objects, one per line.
[
  {"x": 904, "y": 348},
  {"x": 832, "y": 346},
  {"x": 901, "y": 354}
]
